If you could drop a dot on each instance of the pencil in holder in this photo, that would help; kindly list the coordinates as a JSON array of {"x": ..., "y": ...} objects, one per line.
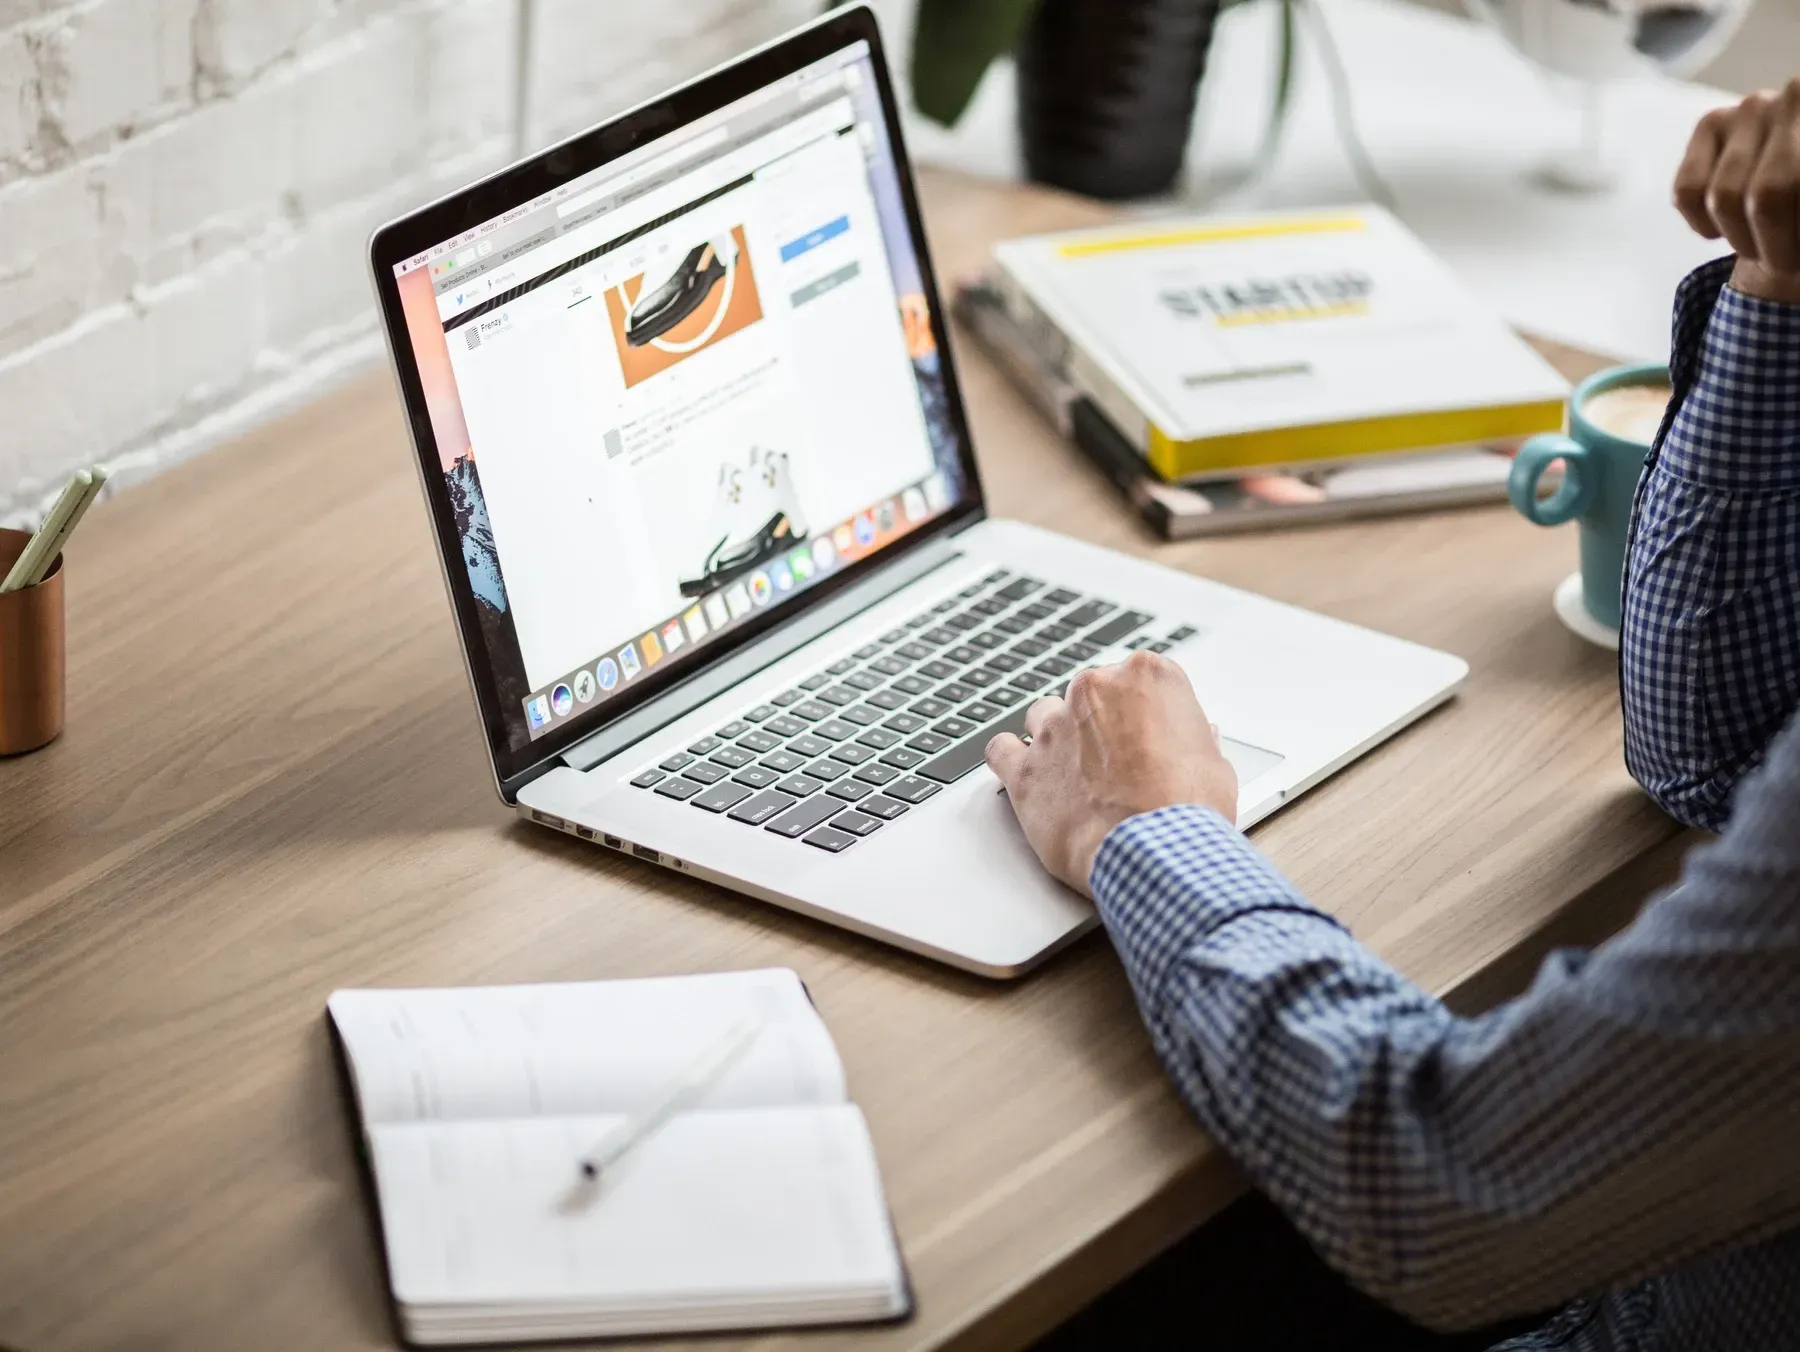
[{"x": 32, "y": 673}]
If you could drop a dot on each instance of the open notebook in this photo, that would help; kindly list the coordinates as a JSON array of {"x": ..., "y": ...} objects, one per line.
[{"x": 758, "y": 1205}]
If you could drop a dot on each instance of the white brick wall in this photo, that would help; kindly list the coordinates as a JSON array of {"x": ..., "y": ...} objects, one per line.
[{"x": 186, "y": 187}]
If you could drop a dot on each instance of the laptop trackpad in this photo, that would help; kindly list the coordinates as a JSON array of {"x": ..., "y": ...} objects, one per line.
[{"x": 1250, "y": 762}]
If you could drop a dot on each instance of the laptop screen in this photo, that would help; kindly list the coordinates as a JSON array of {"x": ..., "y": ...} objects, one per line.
[{"x": 672, "y": 395}]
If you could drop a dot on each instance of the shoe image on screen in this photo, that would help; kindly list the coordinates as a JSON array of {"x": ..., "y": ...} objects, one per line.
[
  {"x": 690, "y": 297},
  {"x": 756, "y": 514},
  {"x": 664, "y": 303}
]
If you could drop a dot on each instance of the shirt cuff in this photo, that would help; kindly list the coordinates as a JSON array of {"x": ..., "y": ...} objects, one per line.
[
  {"x": 1770, "y": 329},
  {"x": 1738, "y": 425},
  {"x": 1164, "y": 881}
]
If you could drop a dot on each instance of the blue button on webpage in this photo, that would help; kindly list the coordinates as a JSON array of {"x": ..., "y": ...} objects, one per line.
[{"x": 812, "y": 240}]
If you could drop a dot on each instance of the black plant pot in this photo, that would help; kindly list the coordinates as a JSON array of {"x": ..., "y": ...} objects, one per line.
[{"x": 1107, "y": 90}]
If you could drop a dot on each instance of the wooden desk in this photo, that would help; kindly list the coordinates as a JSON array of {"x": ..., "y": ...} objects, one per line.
[{"x": 271, "y": 786}]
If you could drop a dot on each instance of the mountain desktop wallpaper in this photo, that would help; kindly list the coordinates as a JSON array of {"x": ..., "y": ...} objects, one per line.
[{"x": 475, "y": 533}]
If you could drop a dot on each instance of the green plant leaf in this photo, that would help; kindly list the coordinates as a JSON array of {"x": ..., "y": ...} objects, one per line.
[{"x": 954, "y": 42}]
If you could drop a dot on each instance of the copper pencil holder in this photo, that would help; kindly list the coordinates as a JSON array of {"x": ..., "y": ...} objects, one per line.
[{"x": 31, "y": 655}]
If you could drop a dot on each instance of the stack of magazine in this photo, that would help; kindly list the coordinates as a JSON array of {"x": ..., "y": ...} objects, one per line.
[{"x": 1232, "y": 374}]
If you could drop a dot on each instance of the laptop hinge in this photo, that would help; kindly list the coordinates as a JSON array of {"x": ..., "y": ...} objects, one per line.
[{"x": 713, "y": 681}]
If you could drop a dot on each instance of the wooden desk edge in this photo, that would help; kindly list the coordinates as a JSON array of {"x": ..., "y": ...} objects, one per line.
[{"x": 1036, "y": 1305}]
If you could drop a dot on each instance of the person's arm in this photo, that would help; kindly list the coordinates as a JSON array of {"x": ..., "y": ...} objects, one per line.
[
  {"x": 1636, "y": 1107},
  {"x": 1710, "y": 646}
]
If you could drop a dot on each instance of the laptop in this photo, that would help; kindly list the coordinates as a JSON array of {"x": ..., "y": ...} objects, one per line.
[{"x": 730, "y": 600}]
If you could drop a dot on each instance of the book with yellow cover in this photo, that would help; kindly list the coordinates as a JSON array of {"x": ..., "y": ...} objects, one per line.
[{"x": 1221, "y": 344}]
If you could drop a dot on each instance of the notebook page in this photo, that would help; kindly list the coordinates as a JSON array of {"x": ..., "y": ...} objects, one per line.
[
  {"x": 716, "y": 1208},
  {"x": 580, "y": 1048}
]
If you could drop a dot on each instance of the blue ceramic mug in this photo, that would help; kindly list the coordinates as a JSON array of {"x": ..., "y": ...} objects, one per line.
[{"x": 1600, "y": 477}]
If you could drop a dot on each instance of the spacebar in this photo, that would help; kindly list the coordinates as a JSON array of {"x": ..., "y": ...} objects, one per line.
[{"x": 967, "y": 754}]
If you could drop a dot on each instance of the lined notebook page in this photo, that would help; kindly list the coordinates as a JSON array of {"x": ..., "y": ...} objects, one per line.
[
  {"x": 716, "y": 1208},
  {"x": 579, "y": 1048}
]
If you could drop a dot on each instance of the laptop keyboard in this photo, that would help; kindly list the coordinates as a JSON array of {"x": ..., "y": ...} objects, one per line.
[{"x": 878, "y": 732}]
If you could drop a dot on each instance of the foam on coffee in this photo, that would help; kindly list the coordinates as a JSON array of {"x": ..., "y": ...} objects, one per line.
[{"x": 1629, "y": 412}]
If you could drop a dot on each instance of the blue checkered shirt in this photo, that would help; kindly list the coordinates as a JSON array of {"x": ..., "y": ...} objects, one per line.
[{"x": 1620, "y": 1144}]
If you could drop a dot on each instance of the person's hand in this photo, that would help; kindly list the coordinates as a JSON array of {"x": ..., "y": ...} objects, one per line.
[
  {"x": 1741, "y": 180},
  {"x": 1128, "y": 739}
]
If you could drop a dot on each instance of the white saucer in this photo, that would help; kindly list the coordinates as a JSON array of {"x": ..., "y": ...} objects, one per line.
[{"x": 1572, "y": 610}]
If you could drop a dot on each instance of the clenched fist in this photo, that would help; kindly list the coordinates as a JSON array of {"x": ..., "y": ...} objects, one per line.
[
  {"x": 1741, "y": 180},
  {"x": 1127, "y": 739}
]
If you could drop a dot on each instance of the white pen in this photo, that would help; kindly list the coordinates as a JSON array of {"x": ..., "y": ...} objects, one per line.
[
  {"x": 56, "y": 544},
  {"x": 27, "y": 564},
  {"x": 680, "y": 1091}
]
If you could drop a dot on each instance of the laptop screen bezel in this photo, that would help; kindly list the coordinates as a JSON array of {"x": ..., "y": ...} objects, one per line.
[{"x": 580, "y": 155}]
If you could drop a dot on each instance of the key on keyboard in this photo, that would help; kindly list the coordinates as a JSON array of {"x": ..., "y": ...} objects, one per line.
[
  {"x": 761, "y": 808},
  {"x": 1117, "y": 628},
  {"x": 722, "y": 796},
  {"x": 911, "y": 790},
  {"x": 798, "y": 820}
]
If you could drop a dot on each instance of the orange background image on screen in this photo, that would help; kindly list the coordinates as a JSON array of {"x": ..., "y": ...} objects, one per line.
[{"x": 736, "y": 292}]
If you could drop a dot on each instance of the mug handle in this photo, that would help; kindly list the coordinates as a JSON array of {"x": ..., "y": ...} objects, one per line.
[{"x": 1576, "y": 492}]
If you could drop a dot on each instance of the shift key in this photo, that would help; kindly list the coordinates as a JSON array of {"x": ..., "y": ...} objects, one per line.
[
  {"x": 798, "y": 821},
  {"x": 967, "y": 754}
]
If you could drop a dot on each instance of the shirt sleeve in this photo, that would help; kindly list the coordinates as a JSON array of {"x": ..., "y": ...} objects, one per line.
[
  {"x": 1636, "y": 1107},
  {"x": 1710, "y": 645}
]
